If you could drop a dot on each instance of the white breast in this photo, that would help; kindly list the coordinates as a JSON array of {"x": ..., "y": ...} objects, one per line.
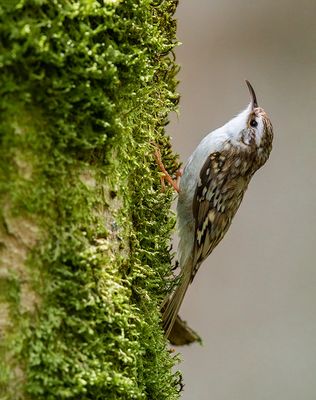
[{"x": 213, "y": 142}]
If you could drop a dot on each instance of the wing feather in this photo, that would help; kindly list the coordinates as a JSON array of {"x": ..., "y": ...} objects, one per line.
[{"x": 210, "y": 206}]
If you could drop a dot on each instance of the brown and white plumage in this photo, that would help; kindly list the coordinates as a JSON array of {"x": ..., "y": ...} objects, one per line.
[{"x": 214, "y": 181}]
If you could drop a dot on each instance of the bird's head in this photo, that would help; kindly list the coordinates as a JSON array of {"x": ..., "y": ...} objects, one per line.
[{"x": 252, "y": 130}]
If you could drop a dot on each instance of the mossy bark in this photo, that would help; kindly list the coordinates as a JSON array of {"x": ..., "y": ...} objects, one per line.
[{"x": 85, "y": 92}]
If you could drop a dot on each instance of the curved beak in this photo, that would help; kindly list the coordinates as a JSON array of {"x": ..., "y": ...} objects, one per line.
[{"x": 253, "y": 96}]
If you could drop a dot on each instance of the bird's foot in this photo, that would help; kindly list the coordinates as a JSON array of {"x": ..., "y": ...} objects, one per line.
[{"x": 165, "y": 175}]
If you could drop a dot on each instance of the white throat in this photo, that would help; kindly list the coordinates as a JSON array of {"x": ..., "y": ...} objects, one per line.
[{"x": 236, "y": 125}]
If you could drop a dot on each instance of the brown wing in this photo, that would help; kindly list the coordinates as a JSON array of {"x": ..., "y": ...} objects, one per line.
[{"x": 213, "y": 192}]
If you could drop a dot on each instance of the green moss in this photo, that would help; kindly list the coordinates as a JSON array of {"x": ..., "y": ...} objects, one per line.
[{"x": 86, "y": 87}]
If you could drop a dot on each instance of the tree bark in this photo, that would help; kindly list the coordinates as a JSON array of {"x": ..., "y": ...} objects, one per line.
[{"x": 85, "y": 92}]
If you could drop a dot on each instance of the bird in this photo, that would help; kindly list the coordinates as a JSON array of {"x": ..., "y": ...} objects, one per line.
[{"x": 213, "y": 183}]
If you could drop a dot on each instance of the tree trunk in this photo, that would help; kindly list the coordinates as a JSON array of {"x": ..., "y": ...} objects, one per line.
[{"x": 86, "y": 88}]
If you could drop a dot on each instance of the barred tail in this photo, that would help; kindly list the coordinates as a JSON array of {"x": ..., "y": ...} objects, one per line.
[{"x": 173, "y": 303}]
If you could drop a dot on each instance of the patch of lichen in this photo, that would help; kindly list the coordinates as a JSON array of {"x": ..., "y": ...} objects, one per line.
[{"x": 87, "y": 86}]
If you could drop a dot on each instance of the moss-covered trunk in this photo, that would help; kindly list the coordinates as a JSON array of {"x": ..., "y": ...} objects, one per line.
[{"x": 85, "y": 91}]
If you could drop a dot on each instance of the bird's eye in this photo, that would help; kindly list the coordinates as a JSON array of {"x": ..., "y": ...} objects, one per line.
[{"x": 253, "y": 123}]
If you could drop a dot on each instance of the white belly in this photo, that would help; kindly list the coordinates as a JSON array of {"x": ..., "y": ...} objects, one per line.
[{"x": 191, "y": 175}]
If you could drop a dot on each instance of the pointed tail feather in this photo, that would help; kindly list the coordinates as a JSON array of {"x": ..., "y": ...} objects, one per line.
[{"x": 173, "y": 304}]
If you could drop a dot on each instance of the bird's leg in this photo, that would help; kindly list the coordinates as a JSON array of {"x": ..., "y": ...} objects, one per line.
[{"x": 166, "y": 177}]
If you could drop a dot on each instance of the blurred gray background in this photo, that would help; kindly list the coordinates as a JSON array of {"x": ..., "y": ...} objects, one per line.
[{"x": 254, "y": 299}]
